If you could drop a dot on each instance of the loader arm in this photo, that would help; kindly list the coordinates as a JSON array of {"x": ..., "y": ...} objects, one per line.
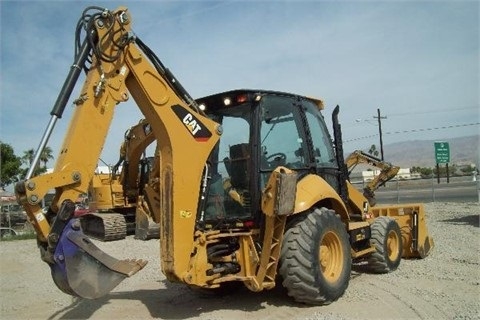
[
  {"x": 121, "y": 65},
  {"x": 387, "y": 172}
]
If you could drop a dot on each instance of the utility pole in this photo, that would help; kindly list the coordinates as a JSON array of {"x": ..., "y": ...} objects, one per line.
[{"x": 379, "y": 118}]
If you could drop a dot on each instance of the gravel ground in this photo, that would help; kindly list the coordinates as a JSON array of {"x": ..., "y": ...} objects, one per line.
[{"x": 445, "y": 285}]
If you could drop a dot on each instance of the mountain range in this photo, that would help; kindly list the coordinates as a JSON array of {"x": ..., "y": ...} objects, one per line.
[{"x": 421, "y": 153}]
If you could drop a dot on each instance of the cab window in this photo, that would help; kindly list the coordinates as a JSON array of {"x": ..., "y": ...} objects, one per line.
[
  {"x": 322, "y": 143},
  {"x": 282, "y": 144}
]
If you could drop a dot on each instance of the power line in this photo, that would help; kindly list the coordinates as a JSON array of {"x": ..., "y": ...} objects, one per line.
[
  {"x": 432, "y": 111},
  {"x": 436, "y": 128},
  {"x": 414, "y": 130},
  {"x": 428, "y": 112}
]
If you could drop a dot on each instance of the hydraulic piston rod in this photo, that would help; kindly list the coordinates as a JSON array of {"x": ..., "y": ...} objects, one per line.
[{"x": 61, "y": 102}]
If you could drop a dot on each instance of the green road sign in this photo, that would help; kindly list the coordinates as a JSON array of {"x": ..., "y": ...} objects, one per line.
[{"x": 442, "y": 152}]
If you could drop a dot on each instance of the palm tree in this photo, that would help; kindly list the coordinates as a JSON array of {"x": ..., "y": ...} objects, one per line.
[
  {"x": 27, "y": 157},
  {"x": 46, "y": 155}
]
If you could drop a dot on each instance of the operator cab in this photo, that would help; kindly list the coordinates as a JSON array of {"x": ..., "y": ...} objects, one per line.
[{"x": 261, "y": 131}]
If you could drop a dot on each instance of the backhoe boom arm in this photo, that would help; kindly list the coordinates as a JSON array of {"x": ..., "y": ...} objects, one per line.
[
  {"x": 122, "y": 66},
  {"x": 387, "y": 172}
]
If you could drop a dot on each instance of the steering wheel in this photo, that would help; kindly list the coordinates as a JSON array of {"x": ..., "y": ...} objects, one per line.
[{"x": 278, "y": 157}]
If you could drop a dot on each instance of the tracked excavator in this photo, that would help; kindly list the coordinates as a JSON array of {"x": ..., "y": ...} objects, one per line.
[
  {"x": 117, "y": 205},
  {"x": 246, "y": 185}
]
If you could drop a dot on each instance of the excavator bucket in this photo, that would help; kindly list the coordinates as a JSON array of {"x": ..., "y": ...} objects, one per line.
[
  {"x": 417, "y": 242},
  {"x": 82, "y": 269}
]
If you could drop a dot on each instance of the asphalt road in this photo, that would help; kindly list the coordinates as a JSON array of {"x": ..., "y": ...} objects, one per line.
[{"x": 459, "y": 189}]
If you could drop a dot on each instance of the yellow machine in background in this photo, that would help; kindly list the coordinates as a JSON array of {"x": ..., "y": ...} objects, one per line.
[
  {"x": 411, "y": 219},
  {"x": 387, "y": 172},
  {"x": 117, "y": 206},
  {"x": 245, "y": 185}
]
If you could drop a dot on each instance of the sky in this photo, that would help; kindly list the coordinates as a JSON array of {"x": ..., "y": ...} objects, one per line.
[{"x": 415, "y": 61}]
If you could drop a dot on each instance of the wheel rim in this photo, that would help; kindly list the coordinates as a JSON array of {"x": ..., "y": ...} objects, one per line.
[
  {"x": 393, "y": 243},
  {"x": 330, "y": 257}
]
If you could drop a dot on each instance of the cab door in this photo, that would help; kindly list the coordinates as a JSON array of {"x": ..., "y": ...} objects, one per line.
[
  {"x": 322, "y": 152},
  {"x": 282, "y": 139}
]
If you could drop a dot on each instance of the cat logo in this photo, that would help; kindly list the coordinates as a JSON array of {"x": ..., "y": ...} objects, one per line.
[{"x": 193, "y": 125}]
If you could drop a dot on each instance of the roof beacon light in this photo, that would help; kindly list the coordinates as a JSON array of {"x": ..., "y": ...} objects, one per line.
[{"x": 241, "y": 98}]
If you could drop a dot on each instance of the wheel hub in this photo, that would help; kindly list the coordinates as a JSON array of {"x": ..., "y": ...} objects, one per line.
[
  {"x": 392, "y": 245},
  {"x": 330, "y": 257}
]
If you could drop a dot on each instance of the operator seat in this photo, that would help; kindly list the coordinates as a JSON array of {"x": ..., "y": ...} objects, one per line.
[
  {"x": 237, "y": 166},
  {"x": 238, "y": 185}
]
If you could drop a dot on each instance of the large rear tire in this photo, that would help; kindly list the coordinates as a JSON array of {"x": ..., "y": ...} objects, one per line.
[
  {"x": 387, "y": 238},
  {"x": 315, "y": 261}
]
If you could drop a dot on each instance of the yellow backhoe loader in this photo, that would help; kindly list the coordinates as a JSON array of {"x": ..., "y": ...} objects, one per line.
[
  {"x": 246, "y": 184},
  {"x": 387, "y": 172},
  {"x": 117, "y": 206}
]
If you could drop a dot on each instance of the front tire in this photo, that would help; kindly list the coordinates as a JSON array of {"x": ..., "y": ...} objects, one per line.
[
  {"x": 387, "y": 239},
  {"x": 315, "y": 261}
]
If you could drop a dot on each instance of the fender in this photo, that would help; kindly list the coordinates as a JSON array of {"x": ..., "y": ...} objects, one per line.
[{"x": 312, "y": 189}]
